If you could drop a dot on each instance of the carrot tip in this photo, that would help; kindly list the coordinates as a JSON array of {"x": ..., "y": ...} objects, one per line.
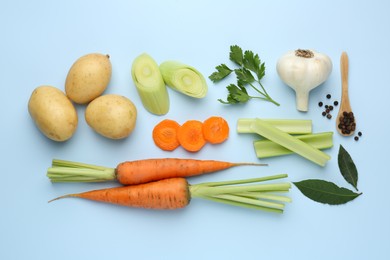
[{"x": 61, "y": 197}]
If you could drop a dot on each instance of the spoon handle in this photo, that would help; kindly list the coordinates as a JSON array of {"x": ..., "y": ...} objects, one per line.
[{"x": 344, "y": 66}]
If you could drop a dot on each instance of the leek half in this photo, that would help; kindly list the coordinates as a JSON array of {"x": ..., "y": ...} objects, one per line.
[
  {"x": 184, "y": 78},
  {"x": 150, "y": 85}
]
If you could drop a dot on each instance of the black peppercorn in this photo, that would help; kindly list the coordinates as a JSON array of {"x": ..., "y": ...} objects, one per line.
[
  {"x": 324, "y": 113},
  {"x": 356, "y": 138},
  {"x": 336, "y": 103},
  {"x": 360, "y": 134},
  {"x": 328, "y": 96},
  {"x": 320, "y": 104},
  {"x": 329, "y": 116}
]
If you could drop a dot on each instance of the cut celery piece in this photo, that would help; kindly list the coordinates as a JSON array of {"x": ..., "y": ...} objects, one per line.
[
  {"x": 290, "y": 142},
  {"x": 267, "y": 148},
  {"x": 291, "y": 126},
  {"x": 150, "y": 85},
  {"x": 184, "y": 78}
]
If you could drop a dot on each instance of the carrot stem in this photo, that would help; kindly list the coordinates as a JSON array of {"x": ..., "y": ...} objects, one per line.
[
  {"x": 246, "y": 193},
  {"x": 68, "y": 171},
  {"x": 241, "y": 204}
]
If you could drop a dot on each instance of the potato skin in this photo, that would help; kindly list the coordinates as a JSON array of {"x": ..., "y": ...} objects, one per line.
[
  {"x": 53, "y": 113},
  {"x": 112, "y": 116},
  {"x": 88, "y": 77}
]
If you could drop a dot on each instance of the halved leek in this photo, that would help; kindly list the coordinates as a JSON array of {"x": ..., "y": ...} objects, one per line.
[
  {"x": 184, "y": 78},
  {"x": 266, "y": 148},
  {"x": 150, "y": 85}
]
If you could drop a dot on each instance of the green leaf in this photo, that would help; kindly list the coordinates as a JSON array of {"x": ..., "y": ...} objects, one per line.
[
  {"x": 253, "y": 63},
  {"x": 347, "y": 167},
  {"x": 236, "y": 54},
  {"x": 244, "y": 75},
  {"x": 236, "y": 95},
  {"x": 325, "y": 192},
  {"x": 222, "y": 72}
]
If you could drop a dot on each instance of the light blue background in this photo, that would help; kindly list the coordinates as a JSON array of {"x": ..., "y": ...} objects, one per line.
[{"x": 41, "y": 39}]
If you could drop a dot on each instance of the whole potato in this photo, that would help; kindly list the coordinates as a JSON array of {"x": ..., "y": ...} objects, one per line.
[
  {"x": 88, "y": 77},
  {"x": 112, "y": 116},
  {"x": 53, "y": 113}
]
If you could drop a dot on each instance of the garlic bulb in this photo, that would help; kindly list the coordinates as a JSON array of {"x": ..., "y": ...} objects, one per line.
[{"x": 303, "y": 70}]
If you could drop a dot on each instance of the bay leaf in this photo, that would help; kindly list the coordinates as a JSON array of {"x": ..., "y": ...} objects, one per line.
[
  {"x": 325, "y": 192},
  {"x": 347, "y": 167}
]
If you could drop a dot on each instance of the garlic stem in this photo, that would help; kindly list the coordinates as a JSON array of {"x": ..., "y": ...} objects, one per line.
[{"x": 304, "y": 53}]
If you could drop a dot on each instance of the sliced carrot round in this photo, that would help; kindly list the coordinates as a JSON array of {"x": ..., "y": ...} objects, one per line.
[
  {"x": 165, "y": 135},
  {"x": 215, "y": 130},
  {"x": 190, "y": 135}
]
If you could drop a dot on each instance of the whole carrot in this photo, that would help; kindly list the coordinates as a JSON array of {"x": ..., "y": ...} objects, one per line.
[
  {"x": 136, "y": 172},
  {"x": 176, "y": 193}
]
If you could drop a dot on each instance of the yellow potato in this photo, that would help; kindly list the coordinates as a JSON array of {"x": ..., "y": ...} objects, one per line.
[
  {"x": 53, "y": 113},
  {"x": 88, "y": 78},
  {"x": 112, "y": 116}
]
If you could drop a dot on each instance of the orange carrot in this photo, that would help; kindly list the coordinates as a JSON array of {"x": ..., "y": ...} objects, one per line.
[
  {"x": 215, "y": 130},
  {"x": 136, "y": 172},
  {"x": 141, "y": 171},
  {"x": 164, "y": 194},
  {"x": 190, "y": 135},
  {"x": 176, "y": 193},
  {"x": 165, "y": 135}
]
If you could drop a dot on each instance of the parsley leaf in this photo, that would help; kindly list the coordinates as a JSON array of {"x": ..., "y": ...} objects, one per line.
[
  {"x": 244, "y": 75},
  {"x": 236, "y": 55},
  {"x": 236, "y": 95},
  {"x": 221, "y": 73},
  {"x": 247, "y": 63},
  {"x": 253, "y": 63}
]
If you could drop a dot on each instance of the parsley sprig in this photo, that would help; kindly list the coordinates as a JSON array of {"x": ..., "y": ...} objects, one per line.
[{"x": 249, "y": 72}]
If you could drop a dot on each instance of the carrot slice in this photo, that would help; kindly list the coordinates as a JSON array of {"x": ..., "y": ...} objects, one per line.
[
  {"x": 190, "y": 135},
  {"x": 165, "y": 135},
  {"x": 215, "y": 130}
]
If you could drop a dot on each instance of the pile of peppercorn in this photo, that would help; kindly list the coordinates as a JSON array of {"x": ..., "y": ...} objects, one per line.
[{"x": 347, "y": 123}]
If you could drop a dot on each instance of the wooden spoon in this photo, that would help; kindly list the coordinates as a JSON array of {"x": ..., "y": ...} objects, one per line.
[{"x": 349, "y": 124}]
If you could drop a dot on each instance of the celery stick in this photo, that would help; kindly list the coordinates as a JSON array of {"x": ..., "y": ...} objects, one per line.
[
  {"x": 184, "y": 78},
  {"x": 150, "y": 85},
  {"x": 291, "y": 126},
  {"x": 267, "y": 148},
  {"x": 290, "y": 142}
]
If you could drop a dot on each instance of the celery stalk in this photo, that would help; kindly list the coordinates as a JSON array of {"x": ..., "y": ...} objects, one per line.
[
  {"x": 267, "y": 148},
  {"x": 291, "y": 126},
  {"x": 290, "y": 142},
  {"x": 150, "y": 85},
  {"x": 184, "y": 78}
]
